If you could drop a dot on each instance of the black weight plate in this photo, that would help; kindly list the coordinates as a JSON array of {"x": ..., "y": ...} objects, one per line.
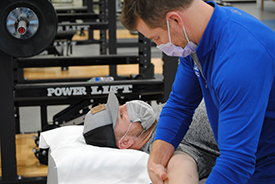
[{"x": 44, "y": 35}]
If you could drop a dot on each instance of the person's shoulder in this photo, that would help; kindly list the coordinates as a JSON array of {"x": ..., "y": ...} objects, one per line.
[{"x": 157, "y": 109}]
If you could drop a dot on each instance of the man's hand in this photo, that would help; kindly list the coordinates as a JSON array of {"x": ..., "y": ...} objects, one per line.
[
  {"x": 159, "y": 157},
  {"x": 157, "y": 173}
]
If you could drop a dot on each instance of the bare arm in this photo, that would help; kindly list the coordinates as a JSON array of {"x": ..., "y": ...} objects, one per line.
[{"x": 160, "y": 155}]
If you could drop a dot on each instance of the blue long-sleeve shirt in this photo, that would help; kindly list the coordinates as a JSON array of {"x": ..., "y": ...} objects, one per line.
[{"x": 237, "y": 55}]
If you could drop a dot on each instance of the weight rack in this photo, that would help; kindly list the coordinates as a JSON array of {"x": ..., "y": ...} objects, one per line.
[
  {"x": 14, "y": 95},
  {"x": 16, "y": 92}
]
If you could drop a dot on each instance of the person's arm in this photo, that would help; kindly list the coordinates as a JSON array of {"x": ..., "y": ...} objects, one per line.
[
  {"x": 175, "y": 119},
  {"x": 243, "y": 85},
  {"x": 176, "y": 115},
  {"x": 160, "y": 154}
]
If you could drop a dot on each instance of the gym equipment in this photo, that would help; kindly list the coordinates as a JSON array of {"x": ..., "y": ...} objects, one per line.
[
  {"x": 15, "y": 91},
  {"x": 27, "y": 27},
  {"x": 42, "y": 154}
]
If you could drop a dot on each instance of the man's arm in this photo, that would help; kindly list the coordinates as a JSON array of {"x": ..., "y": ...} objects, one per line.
[
  {"x": 243, "y": 101},
  {"x": 174, "y": 120},
  {"x": 160, "y": 154}
]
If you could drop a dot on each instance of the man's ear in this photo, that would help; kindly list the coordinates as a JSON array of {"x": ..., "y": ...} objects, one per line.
[
  {"x": 176, "y": 17},
  {"x": 126, "y": 143}
]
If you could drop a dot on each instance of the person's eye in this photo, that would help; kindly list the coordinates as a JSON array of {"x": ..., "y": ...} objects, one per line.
[{"x": 121, "y": 115}]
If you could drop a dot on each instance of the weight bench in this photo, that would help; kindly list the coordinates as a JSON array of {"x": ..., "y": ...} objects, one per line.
[
  {"x": 71, "y": 158},
  {"x": 52, "y": 171},
  {"x": 72, "y": 161},
  {"x": 262, "y": 4}
]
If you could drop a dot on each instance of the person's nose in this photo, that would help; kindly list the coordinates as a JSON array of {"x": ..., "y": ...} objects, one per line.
[{"x": 158, "y": 42}]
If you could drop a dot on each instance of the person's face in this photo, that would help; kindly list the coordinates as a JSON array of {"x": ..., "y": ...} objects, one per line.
[
  {"x": 160, "y": 35},
  {"x": 122, "y": 123},
  {"x": 126, "y": 139}
]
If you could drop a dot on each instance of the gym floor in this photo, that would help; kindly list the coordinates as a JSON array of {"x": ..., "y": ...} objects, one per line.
[{"x": 30, "y": 116}]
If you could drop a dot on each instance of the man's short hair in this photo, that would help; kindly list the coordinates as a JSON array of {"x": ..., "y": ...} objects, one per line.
[{"x": 152, "y": 12}]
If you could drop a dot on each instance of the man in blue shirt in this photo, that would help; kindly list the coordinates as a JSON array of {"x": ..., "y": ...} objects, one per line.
[{"x": 227, "y": 58}]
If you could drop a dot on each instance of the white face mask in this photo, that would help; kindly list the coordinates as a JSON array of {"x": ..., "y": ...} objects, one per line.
[
  {"x": 140, "y": 112},
  {"x": 128, "y": 132},
  {"x": 172, "y": 50}
]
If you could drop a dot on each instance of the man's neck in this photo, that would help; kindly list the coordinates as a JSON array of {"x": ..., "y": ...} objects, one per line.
[{"x": 197, "y": 17}]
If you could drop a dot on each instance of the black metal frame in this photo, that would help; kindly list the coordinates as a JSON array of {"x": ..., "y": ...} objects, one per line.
[
  {"x": 34, "y": 92},
  {"x": 91, "y": 21},
  {"x": 7, "y": 126},
  {"x": 14, "y": 94}
]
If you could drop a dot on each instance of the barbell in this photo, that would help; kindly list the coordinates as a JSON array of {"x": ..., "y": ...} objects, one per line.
[{"x": 27, "y": 27}]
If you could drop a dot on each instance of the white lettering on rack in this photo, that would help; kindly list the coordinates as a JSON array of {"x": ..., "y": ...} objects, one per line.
[
  {"x": 115, "y": 88},
  {"x": 95, "y": 90},
  {"x": 66, "y": 91}
]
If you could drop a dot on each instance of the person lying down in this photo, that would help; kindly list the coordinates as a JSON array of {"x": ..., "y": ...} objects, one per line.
[{"x": 133, "y": 125}]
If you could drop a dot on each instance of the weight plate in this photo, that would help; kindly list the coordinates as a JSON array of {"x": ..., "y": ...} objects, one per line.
[
  {"x": 27, "y": 27},
  {"x": 22, "y": 23}
]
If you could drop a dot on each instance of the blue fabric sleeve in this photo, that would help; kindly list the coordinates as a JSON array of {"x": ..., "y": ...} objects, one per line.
[
  {"x": 177, "y": 114},
  {"x": 242, "y": 85}
]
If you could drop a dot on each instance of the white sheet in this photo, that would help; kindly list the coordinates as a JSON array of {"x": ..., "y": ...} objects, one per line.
[{"x": 79, "y": 163}]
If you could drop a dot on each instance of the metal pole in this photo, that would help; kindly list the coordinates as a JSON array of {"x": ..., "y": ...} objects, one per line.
[
  {"x": 7, "y": 120},
  {"x": 169, "y": 72},
  {"x": 112, "y": 34},
  {"x": 145, "y": 56}
]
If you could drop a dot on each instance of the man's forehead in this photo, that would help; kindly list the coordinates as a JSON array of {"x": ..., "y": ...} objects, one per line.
[
  {"x": 122, "y": 109},
  {"x": 122, "y": 121},
  {"x": 148, "y": 32}
]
